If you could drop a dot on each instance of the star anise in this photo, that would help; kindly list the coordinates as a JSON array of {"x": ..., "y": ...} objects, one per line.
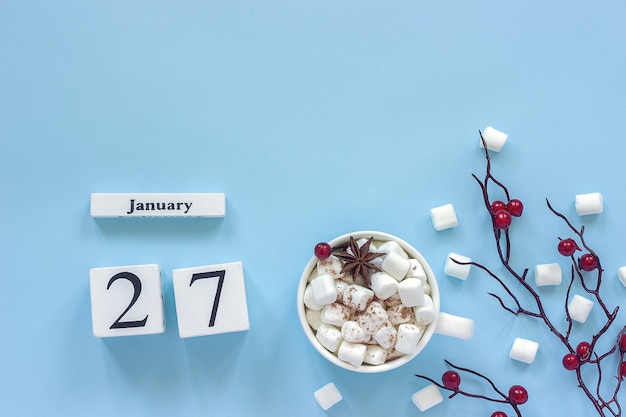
[{"x": 359, "y": 262}]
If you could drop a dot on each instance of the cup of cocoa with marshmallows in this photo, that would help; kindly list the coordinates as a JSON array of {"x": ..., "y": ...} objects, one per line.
[{"x": 368, "y": 301}]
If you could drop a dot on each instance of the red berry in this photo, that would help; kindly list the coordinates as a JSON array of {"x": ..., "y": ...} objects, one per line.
[
  {"x": 451, "y": 379},
  {"x": 502, "y": 219},
  {"x": 322, "y": 250},
  {"x": 499, "y": 414},
  {"x": 583, "y": 350},
  {"x": 515, "y": 207},
  {"x": 622, "y": 343},
  {"x": 518, "y": 394},
  {"x": 497, "y": 205},
  {"x": 570, "y": 361},
  {"x": 622, "y": 370},
  {"x": 567, "y": 247},
  {"x": 587, "y": 262}
]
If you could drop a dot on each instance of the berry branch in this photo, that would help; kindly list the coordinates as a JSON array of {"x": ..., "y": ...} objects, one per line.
[
  {"x": 451, "y": 381},
  {"x": 586, "y": 270}
]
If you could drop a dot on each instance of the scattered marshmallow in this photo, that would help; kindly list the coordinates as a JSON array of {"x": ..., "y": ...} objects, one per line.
[
  {"x": 524, "y": 350},
  {"x": 494, "y": 139},
  {"x": 327, "y": 396},
  {"x": 329, "y": 336},
  {"x": 352, "y": 332},
  {"x": 335, "y": 314},
  {"x": 309, "y": 300},
  {"x": 548, "y": 274},
  {"x": 395, "y": 265},
  {"x": 455, "y": 326},
  {"x": 375, "y": 355},
  {"x": 454, "y": 269},
  {"x": 621, "y": 274},
  {"x": 357, "y": 297},
  {"x": 588, "y": 204},
  {"x": 353, "y": 353},
  {"x": 579, "y": 308},
  {"x": 408, "y": 336},
  {"x": 324, "y": 289},
  {"x": 386, "y": 335},
  {"x": 425, "y": 313},
  {"x": 372, "y": 317},
  {"x": 443, "y": 217},
  {"x": 427, "y": 397},
  {"x": 411, "y": 292},
  {"x": 383, "y": 285},
  {"x": 314, "y": 317}
]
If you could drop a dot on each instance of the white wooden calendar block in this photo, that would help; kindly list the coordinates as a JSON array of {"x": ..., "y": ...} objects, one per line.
[
  {"x": 210, "y": 300},
  {"x": 126, "y": 300},
  {"x": 158, "y": 205}
]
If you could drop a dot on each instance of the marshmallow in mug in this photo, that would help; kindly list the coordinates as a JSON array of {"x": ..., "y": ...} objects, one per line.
[{"x": 372, "y": 325}]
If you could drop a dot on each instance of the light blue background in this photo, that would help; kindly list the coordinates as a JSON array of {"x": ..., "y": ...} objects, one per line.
[{"x": 316, "y": 119}]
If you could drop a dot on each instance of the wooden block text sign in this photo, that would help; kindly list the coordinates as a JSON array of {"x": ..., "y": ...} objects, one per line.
[
  {"x": 126, "y": 300},
  {"x": 158, "y": 204},
  {"x": 210, "y": 300}
]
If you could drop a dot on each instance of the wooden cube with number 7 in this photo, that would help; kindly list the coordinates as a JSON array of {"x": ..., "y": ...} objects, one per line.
[
  {"x": 210, "y": 300},
  {"x": 126, "y": 300}
]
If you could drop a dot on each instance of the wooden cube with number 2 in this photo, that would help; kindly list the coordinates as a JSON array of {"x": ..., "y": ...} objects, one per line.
[
  {"x": 210, "y": 300},
  {"x": 126, "y": 300}
]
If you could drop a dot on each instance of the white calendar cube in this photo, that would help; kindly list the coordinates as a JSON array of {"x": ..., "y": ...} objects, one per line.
[
  {"x": 210, "y": 300},
  {"x": 126, "y": 300}
]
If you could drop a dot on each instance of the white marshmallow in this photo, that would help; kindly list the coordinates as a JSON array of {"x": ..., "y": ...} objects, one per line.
[
  {"x": 309, "y": 300},
  {"x": 335, "y": 314},
  {"x": 353, "y": 353},
  {"x": 411, "y": 292},
  {"x": 392, "y": 246},
  {"x": 548, "y": 274},
  {"x": 394, "y": 300},
  {"x": 352, "y": 332},
  {"x": 399, "y": 314},
  {"x": 455, "y": 326},
  {"x": 383, "y": 285},
  {"x": 427, "y": 397},
  {"x": 327, "y": 396},
  {"x": 454, "y": 269},
  {"x": 375, "y": 355},
  {"x": 386, "y": 335},
  {"x": 416, "y": 270},
  {"x": 443, "y": 217},
  {"x": 341, "y": 287},
  {"x": 524, "y": 350},
  {"x": 357, "y": 297},
  {"x": 427, "y": 288},
  {"x": 362, "y": 241},
  {"x": 330, "y": 266},
  {"x": 579, "y": 308},
  {"x": 395, "y": 265},
  {"x": 408, "y": 336},
  {"x": 621, "y": 274},
  {"x": 329, "y": 336},
  {"x": 494, "y": 139},
  {"x": 314, "y": 318},
  {"x": 372, "y": 317},
  {"x": 324, "y": 289},
  {"x": 588, "y": 204},
  {"x": 425, "y": 314},
  {"x": 392, "y": 354}
]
